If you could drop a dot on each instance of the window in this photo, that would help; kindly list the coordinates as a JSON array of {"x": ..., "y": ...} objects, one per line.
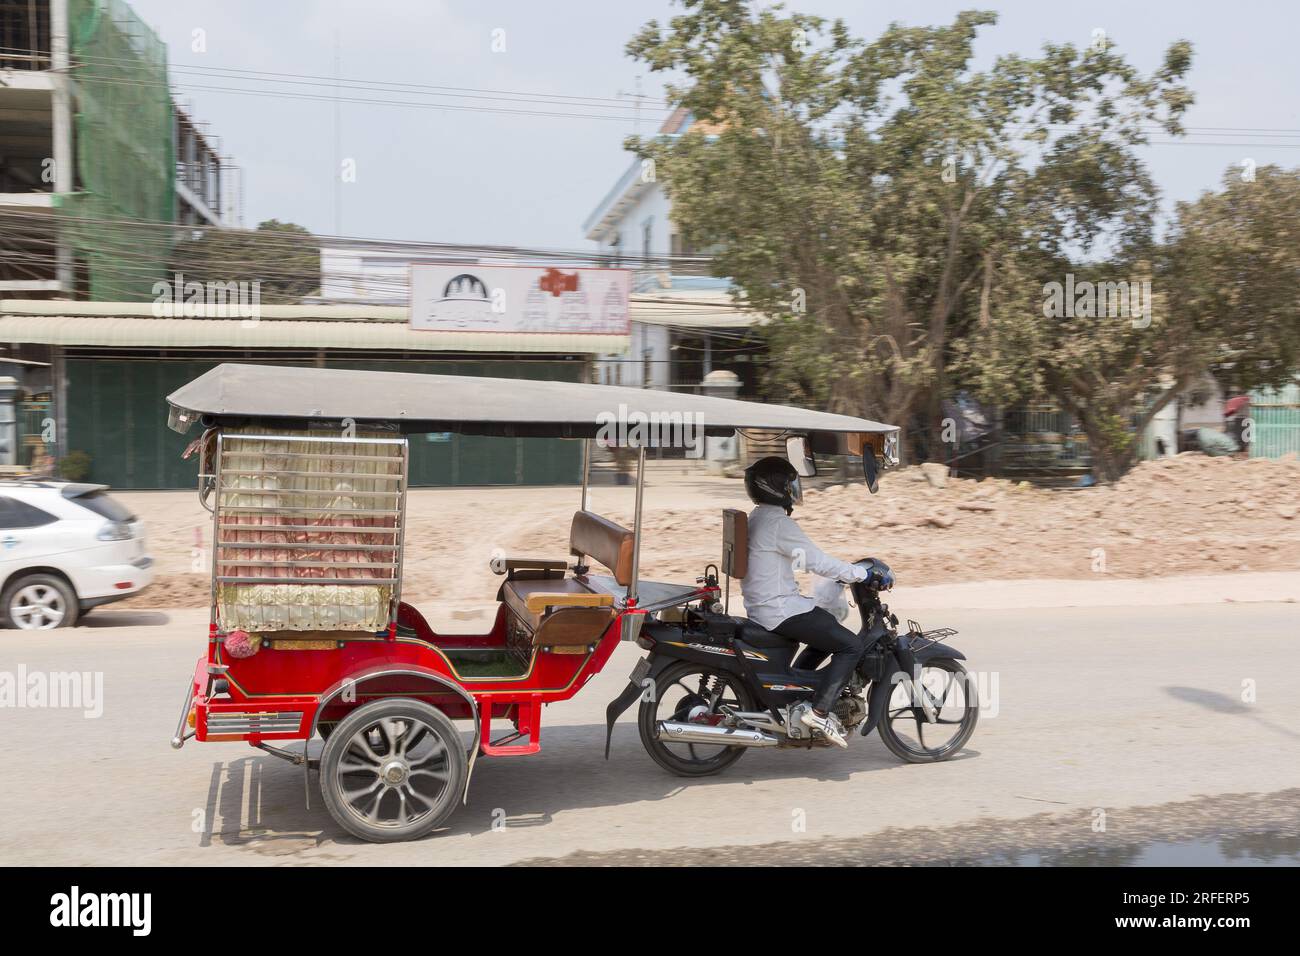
[
  {"x": 18, "y": 514},
  {"x": 647, "y": 236},
  {"x": 102, "y": 505}
]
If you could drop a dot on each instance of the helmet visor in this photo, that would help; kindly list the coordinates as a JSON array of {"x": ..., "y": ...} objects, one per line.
[{"x": 796, "y": 491}]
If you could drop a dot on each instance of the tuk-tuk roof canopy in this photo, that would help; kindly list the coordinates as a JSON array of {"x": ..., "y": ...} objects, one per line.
[{"x": 417, "y": 403}]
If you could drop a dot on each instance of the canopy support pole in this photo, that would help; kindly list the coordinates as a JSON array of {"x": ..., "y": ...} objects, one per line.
[
  {"x": 636, "y": 527},
  {"x": 586, "y": 471}
]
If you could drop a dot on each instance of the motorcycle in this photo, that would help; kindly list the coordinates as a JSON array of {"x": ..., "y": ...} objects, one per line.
[{"x": 714, "y": 685}]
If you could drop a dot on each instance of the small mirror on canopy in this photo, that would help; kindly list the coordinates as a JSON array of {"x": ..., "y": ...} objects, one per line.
[{"x": 799, "y": 454}]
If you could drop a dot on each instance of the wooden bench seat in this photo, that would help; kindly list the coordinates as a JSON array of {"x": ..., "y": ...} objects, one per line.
[{"x": 567, "y": 614}]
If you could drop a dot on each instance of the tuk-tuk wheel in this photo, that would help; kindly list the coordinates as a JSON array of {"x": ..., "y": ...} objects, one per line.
[{"x": 392, "y": 770}]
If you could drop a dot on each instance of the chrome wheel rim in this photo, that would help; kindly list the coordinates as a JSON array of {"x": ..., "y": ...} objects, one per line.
[
  {"x": 953, "y": 697},
  {"x": 37, "y": 607},
  {"x": 393, "y": 773}
]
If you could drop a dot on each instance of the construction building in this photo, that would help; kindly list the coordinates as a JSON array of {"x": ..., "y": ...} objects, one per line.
[{"x": 92, "y": 140}]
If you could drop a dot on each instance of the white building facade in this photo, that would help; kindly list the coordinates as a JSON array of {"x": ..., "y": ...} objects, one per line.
[{"x": 688, "y": 316}]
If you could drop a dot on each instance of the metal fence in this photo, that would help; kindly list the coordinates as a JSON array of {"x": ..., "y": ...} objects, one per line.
[
  {"x": 1040, "y": 439},
  {"x": 1275, "y": 415}
]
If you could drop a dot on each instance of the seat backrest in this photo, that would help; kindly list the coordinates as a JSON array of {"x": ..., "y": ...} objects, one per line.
[
  {"x": 605, "y": 542},
  {"x": 735, "y": 543}
]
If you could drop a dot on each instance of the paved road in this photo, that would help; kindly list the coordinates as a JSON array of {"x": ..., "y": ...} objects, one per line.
[{"x": 1097, "y": 709}]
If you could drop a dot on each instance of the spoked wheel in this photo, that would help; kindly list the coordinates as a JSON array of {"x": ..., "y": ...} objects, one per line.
[
  {"x": 392, "y": 770},
  {"x": 693, "y": 693},
  {"x": 954, "y": 698}
]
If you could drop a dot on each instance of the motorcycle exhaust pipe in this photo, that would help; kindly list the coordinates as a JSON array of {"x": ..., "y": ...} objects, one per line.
[{"x": 680, "y": 732}]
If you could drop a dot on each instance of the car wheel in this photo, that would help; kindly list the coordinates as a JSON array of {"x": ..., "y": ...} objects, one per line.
[{"x": 38, "y": 602}]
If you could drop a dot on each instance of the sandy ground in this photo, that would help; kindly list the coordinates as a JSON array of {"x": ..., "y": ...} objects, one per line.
[
  {"x": 1190, "y": 515},
  {"x": 1137, "y": 713}
]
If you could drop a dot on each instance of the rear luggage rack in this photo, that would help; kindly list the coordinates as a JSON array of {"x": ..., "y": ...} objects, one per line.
[{"x": 922, "y": 639}]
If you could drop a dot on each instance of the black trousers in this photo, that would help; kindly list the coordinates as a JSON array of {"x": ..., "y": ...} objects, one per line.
[{"x": 825, "y": 637}]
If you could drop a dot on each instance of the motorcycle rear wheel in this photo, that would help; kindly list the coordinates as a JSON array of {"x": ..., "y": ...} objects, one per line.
[{"x": 678, "y": 691}]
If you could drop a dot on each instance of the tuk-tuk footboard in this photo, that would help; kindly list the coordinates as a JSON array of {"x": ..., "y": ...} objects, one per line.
[{"x": 526, "y": 714}]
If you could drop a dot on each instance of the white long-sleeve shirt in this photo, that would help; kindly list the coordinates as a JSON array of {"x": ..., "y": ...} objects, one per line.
[{"x": 776, "y": 546}]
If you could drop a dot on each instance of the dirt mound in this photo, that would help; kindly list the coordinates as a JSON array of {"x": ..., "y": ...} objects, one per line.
[
  {"x": 1185, "y": 515},
  {"x": 1189, "y": 514}
]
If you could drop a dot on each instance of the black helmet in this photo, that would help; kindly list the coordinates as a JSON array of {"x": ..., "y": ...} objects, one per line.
[{"x": 773, "y": 481}]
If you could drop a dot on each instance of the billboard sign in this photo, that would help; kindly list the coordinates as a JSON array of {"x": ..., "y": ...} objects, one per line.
[{"x": 466, "y": 297}]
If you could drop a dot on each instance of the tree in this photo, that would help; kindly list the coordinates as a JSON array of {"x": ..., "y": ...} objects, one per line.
[
  {"x": 1234, "y": 273},
  {"x": 283, "y": 256},
  {"x": 909, "y": 201},
  {"x": 1224, "y": 297}
]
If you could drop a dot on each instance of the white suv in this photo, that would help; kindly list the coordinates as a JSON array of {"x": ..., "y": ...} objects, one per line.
[{"x": 65, "y": 548}]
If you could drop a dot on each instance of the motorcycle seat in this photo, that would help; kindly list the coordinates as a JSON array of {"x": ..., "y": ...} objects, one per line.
[{"x": 758, "y": 636}]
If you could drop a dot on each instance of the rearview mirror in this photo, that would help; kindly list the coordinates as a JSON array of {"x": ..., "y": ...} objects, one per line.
[
  {"x": 870, "y": 471},
  {"x": 796, "y": 450}
]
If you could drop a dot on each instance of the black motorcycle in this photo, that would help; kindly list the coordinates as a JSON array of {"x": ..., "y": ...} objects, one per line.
[{"x": 714, "y": 685}]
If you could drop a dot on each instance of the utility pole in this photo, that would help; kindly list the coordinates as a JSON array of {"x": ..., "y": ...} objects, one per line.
[
  {"x": 61, "y": 115},
  {"x": 637, "y": 96},
  {"x": 338, "y": 140}
]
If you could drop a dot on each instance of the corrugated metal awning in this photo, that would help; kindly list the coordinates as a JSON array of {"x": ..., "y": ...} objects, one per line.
[
  {"x": 698, "y": 310},
  {"x": 49, "y": 324}
]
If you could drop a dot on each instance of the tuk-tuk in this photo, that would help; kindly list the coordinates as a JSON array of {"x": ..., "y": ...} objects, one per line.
[{"x": 305, "y": 473}]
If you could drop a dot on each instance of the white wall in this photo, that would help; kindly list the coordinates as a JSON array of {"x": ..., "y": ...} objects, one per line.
[
  {"x": 629, "y": 368},
  {"x": 653, "y": 205}
]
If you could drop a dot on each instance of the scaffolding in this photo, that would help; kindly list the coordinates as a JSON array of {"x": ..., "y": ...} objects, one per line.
[{"x": 125, "y": 150}]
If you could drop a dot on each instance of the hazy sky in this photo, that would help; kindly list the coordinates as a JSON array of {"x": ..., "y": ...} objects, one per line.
[{"x": 469, "y": 176}]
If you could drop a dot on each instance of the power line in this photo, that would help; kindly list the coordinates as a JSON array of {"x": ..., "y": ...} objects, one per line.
[
  {"x": 611, "y": 102},
  {"x": 296, "y": 240},
  {"x": 508, "y": 96}
]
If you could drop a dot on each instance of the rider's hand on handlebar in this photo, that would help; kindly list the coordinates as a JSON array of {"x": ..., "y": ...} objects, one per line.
[{"x": 879, "y": 576}]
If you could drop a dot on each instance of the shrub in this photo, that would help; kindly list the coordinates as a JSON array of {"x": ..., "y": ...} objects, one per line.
[{"x": 75, "y": 466}]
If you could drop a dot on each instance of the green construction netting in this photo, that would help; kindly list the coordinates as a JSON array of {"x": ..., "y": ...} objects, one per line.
[{"x": 125, "y": 151}]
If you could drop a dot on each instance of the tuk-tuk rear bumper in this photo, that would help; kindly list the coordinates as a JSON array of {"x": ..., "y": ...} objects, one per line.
[
  {"x": 208, "y": 719},
  {"x": 184, "y": 729}
]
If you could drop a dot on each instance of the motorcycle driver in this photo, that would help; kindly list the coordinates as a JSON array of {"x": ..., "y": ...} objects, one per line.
[{"x": 772, "y": 599}]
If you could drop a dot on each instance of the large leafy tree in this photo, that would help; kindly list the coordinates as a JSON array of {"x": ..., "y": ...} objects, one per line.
[
  {"x": 893, "y": 209},
  {"x": 283, "y": 256},
  {"x": 1225, "y": 287},
  {"x": 1234, "y": 271}
]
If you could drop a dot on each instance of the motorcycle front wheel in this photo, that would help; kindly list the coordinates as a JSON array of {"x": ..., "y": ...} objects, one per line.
[
  {"x": 953, "y": 696},
  {"x": 692, "y": 693}
]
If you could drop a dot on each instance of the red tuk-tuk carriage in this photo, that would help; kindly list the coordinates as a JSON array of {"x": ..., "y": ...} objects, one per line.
[{"x": 305, "y": 473}]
